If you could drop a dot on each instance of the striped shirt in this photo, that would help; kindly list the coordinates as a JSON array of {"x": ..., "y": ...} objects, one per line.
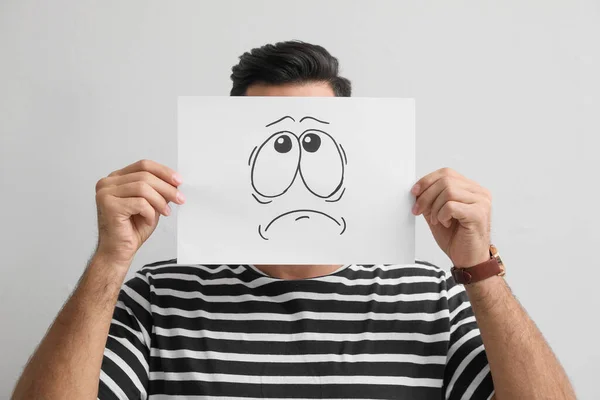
[{"x": 233, "y": 332}]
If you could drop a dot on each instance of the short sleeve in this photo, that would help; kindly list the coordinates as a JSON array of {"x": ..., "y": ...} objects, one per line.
[
  {"x": 467, "y": 374},
  {"x": 125, "y": 366}
]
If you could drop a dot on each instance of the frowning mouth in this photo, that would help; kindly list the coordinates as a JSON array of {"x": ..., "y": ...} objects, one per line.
[{"x": 300, "y": 215}]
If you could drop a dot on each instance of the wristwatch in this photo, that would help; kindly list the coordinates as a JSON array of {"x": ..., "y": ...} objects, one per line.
[{"x": 493, "y": 266}]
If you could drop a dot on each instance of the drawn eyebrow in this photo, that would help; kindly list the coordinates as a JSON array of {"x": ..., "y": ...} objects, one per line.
[
  {"x": 279, "y": 120},
  {"x": 313, "y": 118}
]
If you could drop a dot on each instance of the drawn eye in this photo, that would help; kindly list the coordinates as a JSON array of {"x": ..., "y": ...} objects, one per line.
[
  {"x": 311, "y": 142},
  {"x": 321, "y": 164},
  {"x": 276, "y": 164},
  {"x": 283, "y": 144}
]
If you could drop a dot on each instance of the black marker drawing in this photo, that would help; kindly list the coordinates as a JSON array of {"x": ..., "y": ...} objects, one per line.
[
  {"x": 261, "y": 202},
  {"x": 314, "y": 155},
  {"x": 321, "y": 148},
  {"x": 314, "y": 119},
  {"x": 251, "y": 154},
  {"x": 303, "y": 216},
  {"x": 343, "y": 152},
  {"x": 282, "y": 151},
  {"x": 339, "y": 198},
  {"x": 279, "y": 120}
]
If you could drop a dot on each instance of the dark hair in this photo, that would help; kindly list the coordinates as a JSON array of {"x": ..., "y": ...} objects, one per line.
[{"x": 288, "y": 62}]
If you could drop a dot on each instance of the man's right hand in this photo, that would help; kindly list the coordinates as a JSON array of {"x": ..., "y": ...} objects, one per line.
[{"x": 130, "y": 202}]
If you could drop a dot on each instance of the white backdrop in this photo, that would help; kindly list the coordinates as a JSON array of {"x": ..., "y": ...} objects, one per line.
[{"x": 507, "y": 93}]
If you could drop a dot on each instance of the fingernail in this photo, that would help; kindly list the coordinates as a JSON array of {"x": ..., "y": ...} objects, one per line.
[
  {"x": 167, "y": 210},
  {"x": 415, "y": 209},
  {"x": 415, "y": 189},
  {"x": 180, "y": 198},
  {"x": 177, "y": 178}
]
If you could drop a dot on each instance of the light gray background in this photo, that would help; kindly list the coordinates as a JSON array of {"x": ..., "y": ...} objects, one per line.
[{"x": 507, "y": 93}]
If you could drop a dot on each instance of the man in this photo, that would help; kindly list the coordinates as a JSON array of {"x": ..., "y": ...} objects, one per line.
[{"x": 271, "y": 331}]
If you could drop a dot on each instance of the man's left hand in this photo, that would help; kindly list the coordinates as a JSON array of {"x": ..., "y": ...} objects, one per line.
[{"x": 458, "y": 212}]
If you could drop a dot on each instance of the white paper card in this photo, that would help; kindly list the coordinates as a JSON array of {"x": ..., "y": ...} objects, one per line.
[{"x": 296, "y": 180}]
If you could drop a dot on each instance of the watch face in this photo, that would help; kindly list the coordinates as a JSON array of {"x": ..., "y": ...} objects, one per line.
[
  {"x": 493, "y": 250},
  {"x": 496, "y": 255}
]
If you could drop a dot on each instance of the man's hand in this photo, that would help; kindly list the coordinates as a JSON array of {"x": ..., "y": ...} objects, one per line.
[
  {"x": 458, "y": 212},
  {"x": 130, "y": 202},
  {"x": 67, "y": 363}
]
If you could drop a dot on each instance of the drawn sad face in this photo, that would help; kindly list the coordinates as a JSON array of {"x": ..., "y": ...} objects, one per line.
[{"x": 312, "y": 158}]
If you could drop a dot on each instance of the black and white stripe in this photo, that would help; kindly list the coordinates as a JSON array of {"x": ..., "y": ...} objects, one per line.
[{"x": 363, "y": 332}]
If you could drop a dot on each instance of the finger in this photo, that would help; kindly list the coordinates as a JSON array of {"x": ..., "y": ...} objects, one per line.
[
  {"x": 451, "y": 193},
  {"x": 139, "y": 206},
  {"x": 166, "y": 190},
  {"x": 463, "y": 212},
  {"x": 425, "y": 200},
  {"x": 425, "y": 182},
  {"x": 143, "y": 190},
  {"x": 162, "y": 171}
]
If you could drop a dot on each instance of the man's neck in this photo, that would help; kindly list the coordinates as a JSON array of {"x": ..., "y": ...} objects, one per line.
[{"x": 297, "y": 271}]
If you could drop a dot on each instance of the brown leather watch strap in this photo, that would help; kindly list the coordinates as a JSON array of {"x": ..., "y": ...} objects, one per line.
[{"x": 477, "y": 273}]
